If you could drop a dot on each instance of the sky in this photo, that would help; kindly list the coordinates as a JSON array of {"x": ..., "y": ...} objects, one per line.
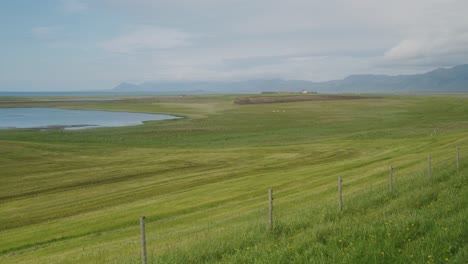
[{"x": 69, "y": 45}]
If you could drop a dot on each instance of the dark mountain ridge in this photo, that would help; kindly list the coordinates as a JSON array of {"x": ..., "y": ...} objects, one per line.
[{"x": 442, "y": 80}]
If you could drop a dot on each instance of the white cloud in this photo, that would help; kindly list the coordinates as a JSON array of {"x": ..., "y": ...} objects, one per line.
[
  {"x": 300, "y": 39},
  {"x": 73, "y": 6},
  {"x": 408, "y": 49},
  {"x": 244, "y": 39},
  {"x": 146, "y": 39},
  {"x": 439, "y": 46},
  {"x": 47, "y": 32},
  {"x": 439, "y": 36}
]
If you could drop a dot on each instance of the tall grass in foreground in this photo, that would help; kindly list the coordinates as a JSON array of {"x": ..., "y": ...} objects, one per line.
[{"x": 422, "y": 221}]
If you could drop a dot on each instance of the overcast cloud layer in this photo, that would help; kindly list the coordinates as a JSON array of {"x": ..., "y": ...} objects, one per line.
[{"x": 96, "y": 44}]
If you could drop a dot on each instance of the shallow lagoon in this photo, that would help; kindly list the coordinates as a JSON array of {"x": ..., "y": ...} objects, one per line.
[{"x": 11, "y": 118}]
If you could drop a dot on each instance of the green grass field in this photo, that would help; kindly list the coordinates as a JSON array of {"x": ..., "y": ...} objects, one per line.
[{"x": 202, "y": 182}]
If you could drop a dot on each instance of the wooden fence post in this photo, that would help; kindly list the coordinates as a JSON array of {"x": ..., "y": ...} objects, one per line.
[
  {"x": 340, "y": 197},
  {"x": 458, "y": 157},
  {"x": 270, "y": 208},
  {"x": 429, "y": 166},
  {"x": 143, "y": 239},
  {"x": 391, "y": 178}
]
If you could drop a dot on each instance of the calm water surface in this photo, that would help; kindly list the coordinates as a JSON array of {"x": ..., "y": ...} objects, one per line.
[{"x": 71, "y": 119}]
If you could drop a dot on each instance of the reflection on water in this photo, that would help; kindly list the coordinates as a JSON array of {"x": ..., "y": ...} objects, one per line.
[{"x": 71, "y": 119}]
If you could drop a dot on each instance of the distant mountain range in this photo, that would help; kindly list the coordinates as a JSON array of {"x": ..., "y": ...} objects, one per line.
[
  {"x": 251, "y": 86},
  {"x": 452, "y": 80}
]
